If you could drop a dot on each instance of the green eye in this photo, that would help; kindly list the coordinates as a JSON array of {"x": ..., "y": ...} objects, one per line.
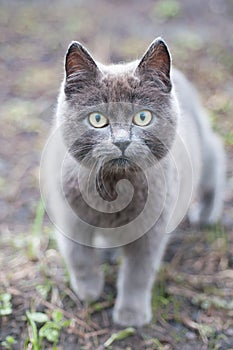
[
  {"x": 142, "y": 118},
  {"x": 98, "y": 120}
]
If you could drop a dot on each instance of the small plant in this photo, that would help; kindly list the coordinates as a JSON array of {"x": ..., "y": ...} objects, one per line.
[
  {"x": 157, "y": 343},
  {"x": 206, "y": 302},
  {"x": 44, "y": 289},
  {"x": 36, "y": 232},
  {"x": 5, "y": 304},
  {"x": 160, "y": 300},
  {"x": 50, "y": 329},
  {"x": 8, "y": 342},
  {"x": 125, "y": 333}
]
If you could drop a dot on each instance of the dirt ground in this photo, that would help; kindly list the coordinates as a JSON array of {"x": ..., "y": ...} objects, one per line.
[{"x": 193, "y": 298}]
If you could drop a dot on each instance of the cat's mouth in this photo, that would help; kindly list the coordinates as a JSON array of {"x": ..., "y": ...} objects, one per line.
[
  {"x": 120, "y": 162},
  {"x": 118, "y": 166},
  {"x": 121, "y": 166}
]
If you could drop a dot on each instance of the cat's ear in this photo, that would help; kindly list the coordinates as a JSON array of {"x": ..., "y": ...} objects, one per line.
[
  {"x": 78, "y": 60},
  {"x": 156, "y": 59}
]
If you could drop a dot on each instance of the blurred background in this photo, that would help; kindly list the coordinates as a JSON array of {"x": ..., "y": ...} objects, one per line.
[{"x": 34, "y": 36}]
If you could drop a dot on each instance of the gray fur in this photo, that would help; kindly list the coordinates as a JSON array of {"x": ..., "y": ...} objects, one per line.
[{"x": 149, "y": 83}]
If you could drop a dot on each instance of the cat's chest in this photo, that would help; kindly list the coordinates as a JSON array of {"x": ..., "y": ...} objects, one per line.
[{"x": 106, "y": 204}]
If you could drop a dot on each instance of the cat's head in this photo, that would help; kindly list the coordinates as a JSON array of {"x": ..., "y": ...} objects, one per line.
[{"x": 121, "y": 114}]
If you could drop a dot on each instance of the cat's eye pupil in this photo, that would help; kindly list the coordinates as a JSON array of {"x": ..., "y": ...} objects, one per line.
[
  {"x": 97, "y": 118},
  {"x": 142, "y": 116}
]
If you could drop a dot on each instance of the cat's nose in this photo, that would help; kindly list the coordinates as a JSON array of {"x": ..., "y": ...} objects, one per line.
[{"x": 122, "y": 144}]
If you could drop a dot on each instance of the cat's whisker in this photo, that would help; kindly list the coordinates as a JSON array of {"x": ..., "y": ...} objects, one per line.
[
  {"x": 102, "y": 179},
  {"x": 89, "y": 181},
  {"x": 98, "y": 166}
]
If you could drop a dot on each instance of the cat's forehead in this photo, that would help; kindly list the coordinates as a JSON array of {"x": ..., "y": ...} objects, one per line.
[
  {"x": 115, "y": 84},
  {"x": 118, "y": 81},
  {"x": 119, "y": 86}
]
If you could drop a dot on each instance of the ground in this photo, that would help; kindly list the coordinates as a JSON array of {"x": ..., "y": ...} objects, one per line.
[{"x": 192, "y": 299}]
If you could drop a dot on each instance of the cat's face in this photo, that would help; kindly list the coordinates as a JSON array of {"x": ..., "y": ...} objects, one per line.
[{"x": 123, "y": 115}]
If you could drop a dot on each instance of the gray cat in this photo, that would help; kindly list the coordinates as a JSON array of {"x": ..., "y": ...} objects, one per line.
[{"x": 138, "y": 123}]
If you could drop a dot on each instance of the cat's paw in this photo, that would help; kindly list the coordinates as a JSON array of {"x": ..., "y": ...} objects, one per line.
[
  {"x": 90, "y": 288},
  {"x": 131, "y": 317}
]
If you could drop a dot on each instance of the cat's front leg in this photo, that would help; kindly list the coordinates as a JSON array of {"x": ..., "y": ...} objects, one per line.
[
  {"x": 86, "y": 276},
  {"x": 141, "y": 260}
]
